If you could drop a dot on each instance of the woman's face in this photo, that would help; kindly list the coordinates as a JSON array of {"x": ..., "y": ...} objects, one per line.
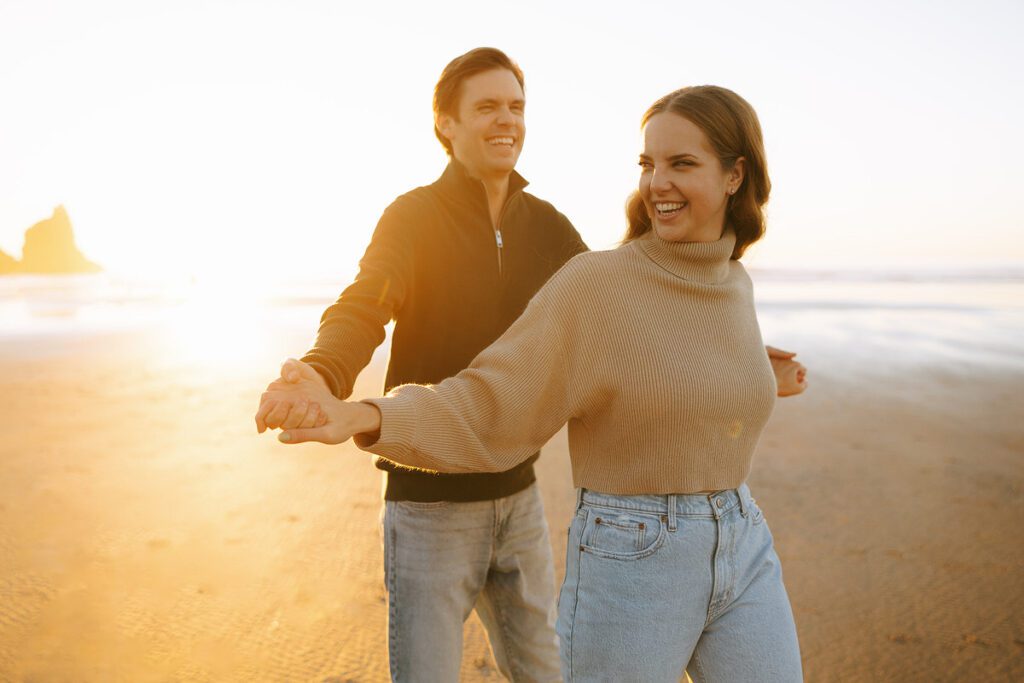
[{"x": 682, "y": 182}]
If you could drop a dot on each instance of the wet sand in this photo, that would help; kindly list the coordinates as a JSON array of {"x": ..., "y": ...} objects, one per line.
[{"x": 148, "y": 534}]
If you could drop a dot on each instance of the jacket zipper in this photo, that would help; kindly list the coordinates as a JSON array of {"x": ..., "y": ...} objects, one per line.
[
  {"x": 497, "y": 234},
  {"x": 497, "y": 238}
]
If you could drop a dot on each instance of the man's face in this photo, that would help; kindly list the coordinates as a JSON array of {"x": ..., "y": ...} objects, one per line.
[{"x": 487, "y": 135}]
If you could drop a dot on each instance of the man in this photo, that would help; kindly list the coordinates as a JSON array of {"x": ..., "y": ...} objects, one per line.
[{"x": 454, "y": 264}]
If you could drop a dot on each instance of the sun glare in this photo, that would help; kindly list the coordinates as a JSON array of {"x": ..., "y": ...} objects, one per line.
[{"x": 219, "y": 323}]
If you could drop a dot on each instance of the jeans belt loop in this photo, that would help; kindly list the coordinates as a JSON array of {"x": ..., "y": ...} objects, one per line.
[
  {"x": 744, "y": 504},
  {"x": 579, "y": 498},
  {"x": 671, "y": 500}
]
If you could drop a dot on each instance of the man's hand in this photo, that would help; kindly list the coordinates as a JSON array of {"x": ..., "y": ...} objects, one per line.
[
  {"x": 292, "y": 411},
  {"x": 340, "y": 419},
  {"x": 790, "y": 375},
  {"x": 779, "y": 354}
]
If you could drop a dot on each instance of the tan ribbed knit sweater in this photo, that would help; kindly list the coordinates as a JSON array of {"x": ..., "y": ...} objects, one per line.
[{"x": 651, "y": 352}]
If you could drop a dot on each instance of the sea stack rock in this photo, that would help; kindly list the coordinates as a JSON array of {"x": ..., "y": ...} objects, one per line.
[
  {"x": 50, "y": 248},
  {"x": 8, "y": 264}
]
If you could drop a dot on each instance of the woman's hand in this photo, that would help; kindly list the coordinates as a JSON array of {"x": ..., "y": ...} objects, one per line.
[{"x": 340, "y": 420}]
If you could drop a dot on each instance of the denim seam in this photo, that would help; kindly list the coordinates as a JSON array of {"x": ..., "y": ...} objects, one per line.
[
  {"x": 506, "y": 639},
  {"x": 700, "y": 667},
  {"x": 576, "y": 595},
  {"x": 716, "y": 579},
  {"x": 392, "y": 583},
  {"x": 499, "y": 602}
]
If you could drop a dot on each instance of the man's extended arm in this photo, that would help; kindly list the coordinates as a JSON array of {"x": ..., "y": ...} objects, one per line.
[{"x": 353, "y": 326}]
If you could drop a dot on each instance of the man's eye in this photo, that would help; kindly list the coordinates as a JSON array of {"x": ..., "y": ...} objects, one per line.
[{"x": 644, "y": 164}]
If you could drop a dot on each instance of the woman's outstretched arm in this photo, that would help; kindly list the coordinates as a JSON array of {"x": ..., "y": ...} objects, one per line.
[{"x": 514, "y": 396}]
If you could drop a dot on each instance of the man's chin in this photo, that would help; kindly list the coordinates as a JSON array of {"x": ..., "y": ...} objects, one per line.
[{"x": 503, "y": 164}]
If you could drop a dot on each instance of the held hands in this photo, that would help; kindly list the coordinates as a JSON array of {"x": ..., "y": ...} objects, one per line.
[
  {"x": 300, "y": 404},
  {"x": 790, "y": 375}
]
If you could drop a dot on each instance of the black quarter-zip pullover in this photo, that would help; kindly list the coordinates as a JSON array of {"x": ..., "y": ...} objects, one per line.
[{"x": 453, "y": 284}]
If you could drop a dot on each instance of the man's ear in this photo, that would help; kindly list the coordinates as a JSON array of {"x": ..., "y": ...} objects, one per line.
[{"x": 444, "y": 123}]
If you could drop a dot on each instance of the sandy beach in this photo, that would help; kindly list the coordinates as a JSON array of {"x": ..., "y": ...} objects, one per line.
[{"x": 147, "y": 533}]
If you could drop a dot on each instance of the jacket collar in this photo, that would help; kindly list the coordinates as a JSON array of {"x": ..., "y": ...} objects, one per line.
[{"x": 459, "y": 186}]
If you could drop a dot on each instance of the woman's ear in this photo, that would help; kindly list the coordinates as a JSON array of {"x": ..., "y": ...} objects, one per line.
[{"x": 736, "y": 175}]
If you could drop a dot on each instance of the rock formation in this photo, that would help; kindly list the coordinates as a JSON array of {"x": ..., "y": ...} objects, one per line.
[
  {"x": 8, "y": 264},
  {"x": 49, "y": 248}
]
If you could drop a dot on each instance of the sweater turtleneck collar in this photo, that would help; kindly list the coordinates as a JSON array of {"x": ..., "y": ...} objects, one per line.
[{"x": 705, "y": 262}]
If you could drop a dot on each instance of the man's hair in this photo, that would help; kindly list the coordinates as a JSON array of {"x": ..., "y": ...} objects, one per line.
[{"x": 449, "y": 86}]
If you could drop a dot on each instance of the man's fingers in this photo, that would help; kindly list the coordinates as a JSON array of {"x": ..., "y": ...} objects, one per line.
[
  {"x": 266, "y": 405},
  {"x": 311, "y": 417},
  {"x": 290, "y": 371},
  {"x": 276, "y": 417},
  {"x": 293, "y": 370},
  {"x": 296, "y": 414},
  {"x": 779, "y": 353}
]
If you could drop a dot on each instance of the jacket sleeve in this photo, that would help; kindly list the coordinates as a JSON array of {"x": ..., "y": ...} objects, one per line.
[
  {"x": 516, "y": 394},
  {"x": 573, "y": 243},
  {"x": 353, "y": 326}
]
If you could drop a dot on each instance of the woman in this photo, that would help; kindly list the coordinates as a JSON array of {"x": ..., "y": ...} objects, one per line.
[{"x": 652, "y": 353}]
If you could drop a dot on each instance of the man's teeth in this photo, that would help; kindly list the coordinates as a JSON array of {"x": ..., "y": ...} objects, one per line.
[
  {"x": 500, "y": 141},
  {"x": 668, "y": 207}
]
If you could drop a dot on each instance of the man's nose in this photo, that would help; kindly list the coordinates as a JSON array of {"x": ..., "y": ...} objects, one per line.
[{"x": 505, "y": 116}]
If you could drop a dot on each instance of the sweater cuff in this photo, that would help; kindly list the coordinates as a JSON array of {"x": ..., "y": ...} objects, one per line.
[{"x": 397, "y": 430}]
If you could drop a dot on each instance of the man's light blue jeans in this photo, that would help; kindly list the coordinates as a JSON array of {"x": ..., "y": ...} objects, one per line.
[
  {"x": 658, "y": 584},
  {"x": 443, "y": 559}
]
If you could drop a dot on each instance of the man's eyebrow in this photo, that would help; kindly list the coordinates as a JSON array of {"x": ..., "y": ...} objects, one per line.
[{"x": 491, "y": 101}]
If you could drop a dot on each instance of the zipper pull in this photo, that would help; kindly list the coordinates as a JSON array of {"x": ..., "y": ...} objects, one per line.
[{"x": 497, "y": 237}]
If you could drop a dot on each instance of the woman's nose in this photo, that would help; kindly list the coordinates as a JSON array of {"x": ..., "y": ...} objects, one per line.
[{"x": 660, "y": 181}]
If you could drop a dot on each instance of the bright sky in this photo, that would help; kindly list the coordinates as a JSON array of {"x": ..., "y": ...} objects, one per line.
[{"x": 271, "y": 135}]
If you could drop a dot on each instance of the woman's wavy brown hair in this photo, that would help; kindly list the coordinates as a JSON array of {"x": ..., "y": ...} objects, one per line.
[{"x": 732, "y": 128}]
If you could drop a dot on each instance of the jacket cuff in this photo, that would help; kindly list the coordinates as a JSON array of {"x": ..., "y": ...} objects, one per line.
[{"x": 324, "y": 372}]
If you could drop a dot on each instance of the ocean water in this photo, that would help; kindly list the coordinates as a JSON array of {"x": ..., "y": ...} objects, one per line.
[{"x": 890, "y": 316}]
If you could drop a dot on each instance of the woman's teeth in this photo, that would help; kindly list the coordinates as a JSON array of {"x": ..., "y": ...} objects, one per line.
[{"x": 668, "y": 207}]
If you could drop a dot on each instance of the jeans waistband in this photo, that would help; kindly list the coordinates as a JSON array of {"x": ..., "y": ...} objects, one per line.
[{"x": 712, "y": 505}]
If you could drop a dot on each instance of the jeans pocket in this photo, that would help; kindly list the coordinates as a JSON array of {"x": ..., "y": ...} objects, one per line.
[{"x": 623, "y": 534}]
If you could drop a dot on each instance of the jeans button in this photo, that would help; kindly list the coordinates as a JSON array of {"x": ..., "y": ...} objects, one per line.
[{"x": 719, "y": 502}]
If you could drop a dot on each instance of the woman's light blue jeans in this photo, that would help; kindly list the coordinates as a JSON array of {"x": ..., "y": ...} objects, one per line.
[{"x": 657, "y": 584}]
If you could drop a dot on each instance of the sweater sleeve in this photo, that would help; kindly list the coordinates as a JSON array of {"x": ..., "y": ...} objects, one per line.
[
  {"x": 514, "y": 396},
  {"x": 353, "y": 326}
]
